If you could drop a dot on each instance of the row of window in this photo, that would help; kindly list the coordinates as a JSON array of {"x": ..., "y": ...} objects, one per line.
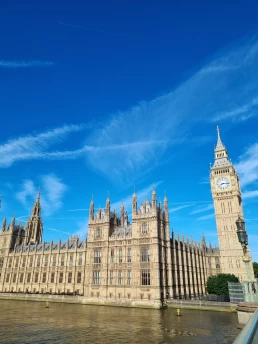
[
  {"x": 145, "y": 277},
  {"x": 21, "y": 278},
  {"x": 23, "y": 261},
  {"x": 145, "y": 255}
]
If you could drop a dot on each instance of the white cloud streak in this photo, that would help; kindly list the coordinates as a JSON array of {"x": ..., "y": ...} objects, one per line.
[
  {"x": 131, "y": 143},
  {"x": 52, "y": 193},
  {"x": 167, "y": 120},
  {"x": 247, "y": 166},
  {"x": 250, "y": 194},
  {"x": 205, "y": 217},
  {"x": 33, "y": 147},
  {"x": 180, "y": 207},
  {"x": 24, "y": 64},
  {"x": 202, "y": 209}
]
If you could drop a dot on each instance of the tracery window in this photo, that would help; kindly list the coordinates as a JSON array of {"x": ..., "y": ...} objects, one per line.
[
  {"x": 120, "y": 255},
  {"x": 129, "y": 255},
  {"x": 145, "y": 277},
  {"x": 144, "y": 228},
  {"x": 79, "y": 277},
  {"x": 97, "y": 256},
  {"x": 120, "y": 277},
  {"x": 98, "y": 232},
  {"x": 112, "y": 256},
  {"x": 145, "y": 255},
  {"x": 96, "y": 277}
]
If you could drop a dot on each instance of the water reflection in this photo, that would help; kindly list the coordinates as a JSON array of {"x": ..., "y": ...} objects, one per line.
[{"x": 30, "y": 322}]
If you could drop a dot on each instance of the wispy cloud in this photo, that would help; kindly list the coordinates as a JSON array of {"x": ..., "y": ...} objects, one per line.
[
  {"x": 56, "y": 230},
  {"x": 202, "y": 209},
  {"x": 52, "y": 193},
  {"x": 24, "y": 64},
  {"x": 180, "y": 207},
  {"x": 240, "y": 113},
  {"x": 205, "y": 217},
  {"x": 247, "y": 166},
  {"x": 168, "y": 119},
  {"x": 131, "y": 143},
  {"x": 250, "y": 194},
  {"x": 81, "y": 209},
  {"x": 35, "y": 146}
]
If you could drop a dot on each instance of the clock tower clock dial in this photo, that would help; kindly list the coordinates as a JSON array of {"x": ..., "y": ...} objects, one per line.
[{"x": 227, "y": 198}]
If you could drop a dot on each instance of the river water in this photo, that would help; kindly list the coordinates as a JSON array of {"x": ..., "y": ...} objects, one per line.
[{"x": 30, "y": 322}]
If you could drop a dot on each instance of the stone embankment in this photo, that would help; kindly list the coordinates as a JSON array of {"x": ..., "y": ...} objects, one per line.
[{"x": 202, "y": 305}]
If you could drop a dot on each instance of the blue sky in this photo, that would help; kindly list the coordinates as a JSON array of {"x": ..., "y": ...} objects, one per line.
[{"x": 98, "y": 98}]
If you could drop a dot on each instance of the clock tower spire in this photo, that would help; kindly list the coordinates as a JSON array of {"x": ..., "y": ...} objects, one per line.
[{"x": 227, "y": 198}]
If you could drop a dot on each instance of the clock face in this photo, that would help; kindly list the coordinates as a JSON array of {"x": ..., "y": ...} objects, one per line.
[{"x": 223, "y": 183}]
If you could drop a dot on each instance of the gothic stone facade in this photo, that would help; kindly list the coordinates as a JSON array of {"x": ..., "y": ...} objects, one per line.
[
  {"x": 226, "y": 193},
  {"x": 123, "y": 263},
  {"x": 135, "y": 264}
]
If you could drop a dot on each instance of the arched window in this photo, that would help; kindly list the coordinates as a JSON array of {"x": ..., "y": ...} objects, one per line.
[
  {"x": 144, "y": 227},
  {"x": 98, "y": 232}
]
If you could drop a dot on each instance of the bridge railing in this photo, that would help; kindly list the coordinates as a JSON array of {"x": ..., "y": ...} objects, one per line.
[{"x": 249, "y": 334}]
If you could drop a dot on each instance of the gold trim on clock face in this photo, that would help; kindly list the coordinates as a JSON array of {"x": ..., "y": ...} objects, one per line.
[{"x": 223, "y": 183}]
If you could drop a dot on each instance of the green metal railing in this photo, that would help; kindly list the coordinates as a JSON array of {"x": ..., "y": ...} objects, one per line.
[{"x": 249, "y": 334}]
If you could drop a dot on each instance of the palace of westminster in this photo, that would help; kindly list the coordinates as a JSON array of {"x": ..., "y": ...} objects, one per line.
[{"x": 135, "y": 264}]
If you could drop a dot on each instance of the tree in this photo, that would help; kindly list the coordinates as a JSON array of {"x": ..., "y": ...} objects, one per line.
[
  {"x": 219, "y": 284},
  {"x": 255, "y": 265}
]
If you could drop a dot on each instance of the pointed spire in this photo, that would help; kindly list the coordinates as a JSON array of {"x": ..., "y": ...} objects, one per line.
[
  {"x": 220, "y": 145},
  {"x": 38, "y": 196},
  {"x": 134, "y": 193},
  {"x": 4, "y": 224}
]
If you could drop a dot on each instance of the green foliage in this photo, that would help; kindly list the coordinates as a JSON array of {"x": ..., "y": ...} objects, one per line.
[
  {"x": 219, "y": 284},
  {"x": 255, "y": 265}
]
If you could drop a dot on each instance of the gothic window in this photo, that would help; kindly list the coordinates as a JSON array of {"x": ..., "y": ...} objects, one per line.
[
  {"x": 23, "y": 262},
  {"x": 129, "y": 277},
  {"x": 120, "y": 277},
  {"x": 31, "y": 262},
  {"x": 14, "y": 278},
  {"x": 44, "y": 277},
  {"x": 144, "y": 228},
  {"x": 21, "y": 277},
  {"x": 145, "y": 277},
  {"x": 36, "y": 277},
  {"x": 129, "y": 255},
  {"x": 79, "y": 277},
  {"x": 62, "y": 259},
  {"x": 1, "y": 263},
  {"x": 46, "y": 260},
  {"x": 7, "y": 278},
  {"x": 54, "y": 260},
  {"x": 120, "y": 255},
  {"x": 71, "y": 260},
  {"x": 61, "y": 276},
  {"x": 28, "y": 277},
  {"x": 17, "y": 262},
  {"x": 80, "y": 259},
  {"x": 70, "y": 276},
  {"x": 112, "y": 256},
  {"x": 10, "y": 262},
  {"x": 111, "y": 277},
  {"x": 38, "y": 261},
  {"x": 98, "y": 232},
  {"x": 97, "y": 256},
  {"x": 52, "y": 280},
  {"x": 96, "y": 277},
  {"x": 145, "y": 255}
]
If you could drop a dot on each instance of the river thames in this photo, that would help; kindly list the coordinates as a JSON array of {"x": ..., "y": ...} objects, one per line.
[{"x": 30, "y": 322}]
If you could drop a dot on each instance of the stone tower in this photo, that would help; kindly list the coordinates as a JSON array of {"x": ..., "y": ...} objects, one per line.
[
  {"x": 34, "y": 225},
  {"x": 227, "y": 199}
]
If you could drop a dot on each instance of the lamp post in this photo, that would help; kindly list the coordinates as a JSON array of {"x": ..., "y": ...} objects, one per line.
[{"x": 243, "y": 239}]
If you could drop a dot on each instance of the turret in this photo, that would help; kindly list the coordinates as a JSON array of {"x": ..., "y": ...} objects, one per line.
[
  {"x": 12, "y": 227},
  {"x": 166, "y": 206},
  {"x": 34, "y": 225},
  {"x": 4, "y": 225},
  {"x": 122, "y": 214},
  {"x": 134, "y": 203},
  {"x": 92, "y": 209},
  {"x": 154, "y": 200},
  {"x": 107, "y": 209}
]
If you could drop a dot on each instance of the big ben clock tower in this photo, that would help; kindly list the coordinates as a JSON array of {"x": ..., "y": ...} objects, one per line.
[{"x": 227, "y": 199}]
